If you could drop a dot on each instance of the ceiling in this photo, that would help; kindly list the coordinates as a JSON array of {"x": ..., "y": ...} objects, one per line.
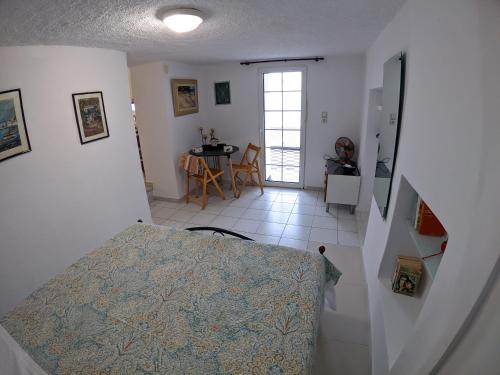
[{"x": 233, "y": 29}]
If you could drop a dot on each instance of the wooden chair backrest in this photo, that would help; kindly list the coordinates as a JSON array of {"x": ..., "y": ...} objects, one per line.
[
  {"x": 246, "y": 159},
  {"x": 182, "y": 160},
  {"x": 202, "y": 165}
]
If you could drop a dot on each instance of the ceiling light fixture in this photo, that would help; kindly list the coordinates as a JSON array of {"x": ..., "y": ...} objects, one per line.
[{"x": 182, "y": 20}]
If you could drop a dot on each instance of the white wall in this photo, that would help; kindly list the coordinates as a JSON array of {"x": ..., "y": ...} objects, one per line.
[
  {"x": 63, "y": 199},
  {"x": 185, "y": 128},
  {"x": 150, "y": 97},
  {"x": 163, "y": 136},
  {"x": 470, "y": 355},
  {"x": 451, "y": 90},
  {"x": 334, "y": 85}
]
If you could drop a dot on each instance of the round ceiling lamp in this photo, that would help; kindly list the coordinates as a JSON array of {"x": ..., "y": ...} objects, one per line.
[{"x": 182, "y": 20}]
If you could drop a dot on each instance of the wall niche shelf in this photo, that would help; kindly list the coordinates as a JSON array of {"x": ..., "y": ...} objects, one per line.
[
  {"x": 400, "y": 312},
  {"x": 428, "y": 245}
]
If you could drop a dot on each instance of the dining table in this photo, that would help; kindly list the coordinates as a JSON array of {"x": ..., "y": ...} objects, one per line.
[{"x": 213, "y": 154}]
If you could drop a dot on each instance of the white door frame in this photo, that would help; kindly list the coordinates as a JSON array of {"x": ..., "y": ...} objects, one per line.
[{"x": 303, "y": 121}]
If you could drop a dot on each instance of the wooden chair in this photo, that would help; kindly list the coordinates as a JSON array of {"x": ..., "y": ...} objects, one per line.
[
  {"x": 203, "y": 175},
  {"x": 248, "y": 165}
]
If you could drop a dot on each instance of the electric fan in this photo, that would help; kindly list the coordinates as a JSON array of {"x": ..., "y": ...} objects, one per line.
[{"x": 344, "y": 148}]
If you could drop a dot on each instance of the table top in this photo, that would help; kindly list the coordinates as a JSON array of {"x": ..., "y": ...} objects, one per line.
[{"x": 219, "y": 152}]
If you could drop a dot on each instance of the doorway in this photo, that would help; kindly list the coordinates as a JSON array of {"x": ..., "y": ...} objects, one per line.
[{"x": 283, "y": 98}]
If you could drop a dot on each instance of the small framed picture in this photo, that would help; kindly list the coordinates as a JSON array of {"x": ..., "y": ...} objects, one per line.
[
  {"x": 222, "y": 93},
  {"x": 406, "y": 283},
  {"x": 13, "y": 133},
  {"x": 184, "y": 96},
  {"x": 90, "y": 116}
]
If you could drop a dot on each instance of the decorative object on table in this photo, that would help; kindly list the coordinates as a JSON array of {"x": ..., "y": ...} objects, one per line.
[
  {"x": 228, "y": 148},
  {"x": 213, "y": 144},
  {"x": 184, "y": 96},
  {"x": 425, "y": 222},
  {"x": 222, "y": 93},
  {"x": 90, "y": 116},
  {"x": 13, "y": 132},
  {"x": 407, "y": 275},
  {"x": 248, "y": 165},
  {"x": 197, "y": 150},
  {"x": 200, "y": 129},
  {"x": 214, "y": 141}
]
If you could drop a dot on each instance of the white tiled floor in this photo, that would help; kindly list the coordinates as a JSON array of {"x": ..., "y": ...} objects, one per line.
[
  {"x": 286, "y": 214},
  {"x": 297, "y": 218}
]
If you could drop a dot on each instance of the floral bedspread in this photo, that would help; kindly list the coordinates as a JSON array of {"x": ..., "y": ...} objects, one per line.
[{"x": 154, "y": 300}]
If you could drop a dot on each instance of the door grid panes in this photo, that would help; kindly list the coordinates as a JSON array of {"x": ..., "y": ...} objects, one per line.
[{"x": 283, "y": 126}]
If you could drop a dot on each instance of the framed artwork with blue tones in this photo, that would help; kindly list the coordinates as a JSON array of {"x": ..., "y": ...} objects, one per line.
[
  {"x": 222, "y": 93},
  {"x": 13, "y": 133}
]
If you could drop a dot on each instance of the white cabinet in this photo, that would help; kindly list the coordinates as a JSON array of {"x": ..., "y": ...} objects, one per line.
[{"x": 341, "y": 188}]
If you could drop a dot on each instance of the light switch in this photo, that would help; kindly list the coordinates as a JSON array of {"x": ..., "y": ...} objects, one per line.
[{"x": 324, "y": 117}]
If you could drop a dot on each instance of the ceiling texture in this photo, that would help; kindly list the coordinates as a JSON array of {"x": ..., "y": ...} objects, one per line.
[{"x": 233, "y": 29}]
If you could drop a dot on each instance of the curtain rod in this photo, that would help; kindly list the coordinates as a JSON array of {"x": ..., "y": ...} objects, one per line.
[{"x": 317, "y": 58}]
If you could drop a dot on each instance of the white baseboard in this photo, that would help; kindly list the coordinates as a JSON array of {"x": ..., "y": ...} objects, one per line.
[
  {"x": 316, "y": 188},
  {"x": 164, "y": 199}
]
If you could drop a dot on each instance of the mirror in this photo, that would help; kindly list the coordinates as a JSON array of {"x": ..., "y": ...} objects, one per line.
[{"x": 392, "y": 105}]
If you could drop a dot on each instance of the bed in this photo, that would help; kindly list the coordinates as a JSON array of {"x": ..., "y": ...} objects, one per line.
[{"x": 155, "y": 300}]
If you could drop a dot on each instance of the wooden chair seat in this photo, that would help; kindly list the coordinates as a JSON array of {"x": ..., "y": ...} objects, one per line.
[{"x": 241, "y": 167}]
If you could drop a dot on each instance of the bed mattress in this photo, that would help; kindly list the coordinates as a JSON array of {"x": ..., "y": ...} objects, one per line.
[{"x": 155, "y": 300}]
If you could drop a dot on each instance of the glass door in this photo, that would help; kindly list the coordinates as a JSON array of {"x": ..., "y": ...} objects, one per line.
[{"x": 283, "y": 98}]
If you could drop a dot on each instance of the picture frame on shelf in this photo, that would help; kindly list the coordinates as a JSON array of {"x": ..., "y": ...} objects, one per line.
[
  {"x": 90, "y": 115},
  {"x": 14, "y": 138},
  {"x": 407, "y": 275},
  {"x": 222, "y": 93},
  {"x": 184, "y": 96}
]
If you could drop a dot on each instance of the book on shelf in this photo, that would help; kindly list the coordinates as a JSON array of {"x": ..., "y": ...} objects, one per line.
[
  {"x": 425, "y": 222},
  {"x": 407, "y": 275}
]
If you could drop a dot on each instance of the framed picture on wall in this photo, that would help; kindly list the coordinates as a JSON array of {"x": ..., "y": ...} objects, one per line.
[
  {"x": 13, "y": 133},
  {"x": 222, "y": 93},
  {"x": 184, "y": 96},
  {"x": 90, "y": 116}
]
